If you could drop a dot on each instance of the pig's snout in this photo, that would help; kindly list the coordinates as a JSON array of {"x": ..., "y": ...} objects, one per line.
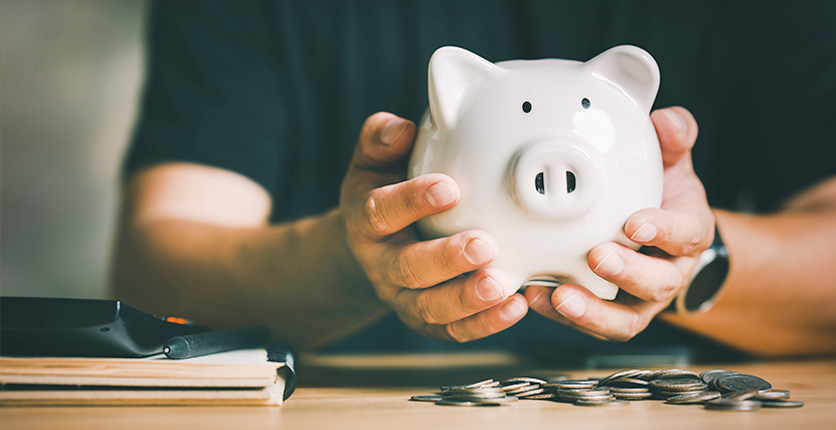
[{"x": 555, "y": 179}]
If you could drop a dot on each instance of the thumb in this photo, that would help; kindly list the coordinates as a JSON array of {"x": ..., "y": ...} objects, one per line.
[
  {"x": 677, "y": 130},
  {"x": 384, "y": 139}
]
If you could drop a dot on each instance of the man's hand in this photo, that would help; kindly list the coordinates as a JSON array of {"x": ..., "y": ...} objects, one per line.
[
  {"x": 676, "y": 234},
  {"x": 427, "y": 283}
]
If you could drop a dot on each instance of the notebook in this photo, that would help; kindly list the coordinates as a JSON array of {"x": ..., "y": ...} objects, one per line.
[{"x": 243, "y": 377}]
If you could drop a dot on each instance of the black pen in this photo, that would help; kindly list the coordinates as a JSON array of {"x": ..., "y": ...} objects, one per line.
[{"x": 193, "y": 345}]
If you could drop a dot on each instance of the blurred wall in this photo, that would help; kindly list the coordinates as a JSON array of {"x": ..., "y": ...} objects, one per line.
[{"x": 70, "y": 80}]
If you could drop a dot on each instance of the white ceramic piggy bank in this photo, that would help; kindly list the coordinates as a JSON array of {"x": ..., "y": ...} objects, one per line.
[{"x": 552, "y": 156}]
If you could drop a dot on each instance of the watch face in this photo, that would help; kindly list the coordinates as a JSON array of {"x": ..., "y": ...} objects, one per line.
[{"x": 706, "y": 284}]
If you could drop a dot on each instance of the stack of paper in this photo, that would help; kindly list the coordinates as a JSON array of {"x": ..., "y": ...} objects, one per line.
[{"x": 244, "y": 377}]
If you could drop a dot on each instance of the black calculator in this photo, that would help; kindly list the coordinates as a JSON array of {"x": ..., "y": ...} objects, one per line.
[{"x": 36, "y": 326}]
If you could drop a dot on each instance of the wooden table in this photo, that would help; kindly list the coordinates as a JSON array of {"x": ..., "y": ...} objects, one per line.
[{"x": 346, "y": 397}]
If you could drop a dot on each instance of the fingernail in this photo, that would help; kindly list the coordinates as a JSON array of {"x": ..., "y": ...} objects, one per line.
[
  {"x": 677, "y": 120},
  {"x": 477, "y": 252},
  {"x": 488, "y": 290},
  {"x": 440, "y": 194},
  {"x": 392, "y": 131},
  {"x": 610, "y": 265},
  {"x": 645, "y": 233},
  {"x": 572, "y": 307},
  {"x": 511, "y": 311},
  {"x": 536, "y": 299}
]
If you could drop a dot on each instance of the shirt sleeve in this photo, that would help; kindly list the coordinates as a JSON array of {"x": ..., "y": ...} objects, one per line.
[{"x": 211, "y": 95}]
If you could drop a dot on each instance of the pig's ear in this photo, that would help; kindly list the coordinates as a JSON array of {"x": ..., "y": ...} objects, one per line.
[
  {"x": 454, "y": 75},
  {"x": 632, "y": 69}
]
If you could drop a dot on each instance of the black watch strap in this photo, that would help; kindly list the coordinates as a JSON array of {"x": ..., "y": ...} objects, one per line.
[{"x": 708, "y": 279}]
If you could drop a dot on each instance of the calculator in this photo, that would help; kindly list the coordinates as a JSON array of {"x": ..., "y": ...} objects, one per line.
[{"x": 55, "y": 327}]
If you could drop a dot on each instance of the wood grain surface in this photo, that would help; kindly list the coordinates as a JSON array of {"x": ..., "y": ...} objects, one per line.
[{"x": 367, "y": 399}]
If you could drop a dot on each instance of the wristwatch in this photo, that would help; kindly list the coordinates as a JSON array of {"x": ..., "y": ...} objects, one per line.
[{"x": 707, "y": 280}]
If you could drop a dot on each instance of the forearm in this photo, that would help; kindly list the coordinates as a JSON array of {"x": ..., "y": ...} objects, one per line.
[
  {"x": 780, "y": 296},
  {"x": 298, "y": 278}
]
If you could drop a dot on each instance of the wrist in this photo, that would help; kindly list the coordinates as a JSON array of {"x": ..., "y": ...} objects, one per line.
[{"x": 708, "y": 279}]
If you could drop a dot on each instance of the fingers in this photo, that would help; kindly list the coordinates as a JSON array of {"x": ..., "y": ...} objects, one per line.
[
  {"x": 391, "y": 208},
  {"x": 675, "y": 232},
  {"x": 649, "y": 278},
  {"x": 482, "y": 324},
  {"x": 424, "y": 264},
  {"x": 457, "y": 299},
  {"x": 378, "y": 205},
  {"x": 617, "y": 320},
  {"x": 384, "y": 139},
  {"x": 677, "y": 130},
  {"x": 539, "y": 300}
]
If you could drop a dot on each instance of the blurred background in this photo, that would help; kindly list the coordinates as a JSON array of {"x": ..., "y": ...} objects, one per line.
[{"x": 71, "y": 74}]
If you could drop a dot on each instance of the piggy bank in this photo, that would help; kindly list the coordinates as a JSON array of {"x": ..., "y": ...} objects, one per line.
[{"x": 552, "y": 156}]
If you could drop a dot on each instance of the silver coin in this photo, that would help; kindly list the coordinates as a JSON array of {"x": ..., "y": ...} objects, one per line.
[
  {"x": 530, "y": 379},
  {"x": 678, "y": 384},
  {"x": 501, "y": 400},
  {"x": 458, "y": 390},
  {"x": 733, "y": 405},
  {"x": 579, "y": 390},
  {"x": 485, "y": 383},
  {"x": 692, "y": 398},
  {"x": 603, "y": 403},
  {"x": 465, "y": 388},
  {"x": 426, "y": 398},
  {"x": 742, "y": 382},
  {"x": 621, "y": 374},
  {"x": 673, "y": 373},
  {"x": 773, "y": 395},
  {"x": 710, "y": 377},
  {"x": 626, "y": 382},
  {"x": 645, "y": 375},
  {"x": 712, "y": 374},
  {"x": 563, "y": 396},
  {"x": 530, "y": 393},
  {"x": 570, "y": 384},
  {"x": 511, "y": 386},
  {"x": 522, "y": 391},
  {"x": 739, "y": 395},
  {"x": 455, "y": 402},
  {"x": 583, "y": 393},
  {"x": 589, "y": 394},
  {"x": 781, "y": 404},
  {"x": 473, "y": 396},
  {"x": 596, "y": 398},
  {"x": 665, "y": 394},
  {"x": 633, "y": 396},
  {"x": 541, "y": 396},
  {"x": 628, "y": 390}
]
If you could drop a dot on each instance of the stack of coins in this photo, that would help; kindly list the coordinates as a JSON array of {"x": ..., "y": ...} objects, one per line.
[{"x": 717, "y": 389}]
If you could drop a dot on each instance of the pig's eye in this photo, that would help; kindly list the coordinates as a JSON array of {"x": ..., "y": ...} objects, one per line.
[
  {"x": 526, "y": 107},
  {"x": 585, "y": 103}
]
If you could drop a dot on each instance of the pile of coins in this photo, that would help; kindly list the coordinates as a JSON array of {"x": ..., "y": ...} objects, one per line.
[{"x": 717, "y": 389}]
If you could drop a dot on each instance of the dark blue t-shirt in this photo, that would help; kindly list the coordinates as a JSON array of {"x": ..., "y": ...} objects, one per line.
[{"x": 278, "y": 90}]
